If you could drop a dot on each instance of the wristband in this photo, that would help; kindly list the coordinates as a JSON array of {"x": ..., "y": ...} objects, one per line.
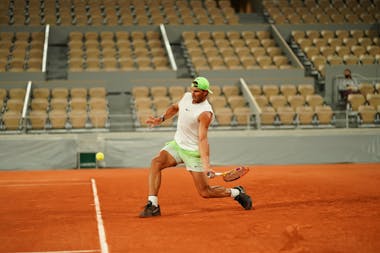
[{"x": 162, "y": 117}]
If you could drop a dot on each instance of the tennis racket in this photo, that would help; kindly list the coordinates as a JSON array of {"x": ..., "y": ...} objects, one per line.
[{"x": 231, "y": 175}]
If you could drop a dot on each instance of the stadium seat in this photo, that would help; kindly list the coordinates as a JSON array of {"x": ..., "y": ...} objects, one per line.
[
  {"x": 355, "y": 100},
  {"x": 224, "y": 116},
  {"x": 286, "y": 115},
  {"x": 98, "y": 118},
  {"x": 324, "y": 114},
  {"x": 242, "y": 115},
  {"x": 268, "y": 115},
  {"x": 11, "y": 120},
  {"x": 38, "y": 119},
  {"x": 366, "y": 114},
  {"x": 305, "y": 115}
]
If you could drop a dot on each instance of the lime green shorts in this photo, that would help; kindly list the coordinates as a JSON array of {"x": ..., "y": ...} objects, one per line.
[{"x": 191, "y": 159}]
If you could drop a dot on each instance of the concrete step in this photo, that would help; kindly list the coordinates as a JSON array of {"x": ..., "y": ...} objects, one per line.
[{"x": 57, "y": 62}]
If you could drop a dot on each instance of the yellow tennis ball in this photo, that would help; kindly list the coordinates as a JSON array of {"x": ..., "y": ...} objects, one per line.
[{"x": 99, "y": 156}]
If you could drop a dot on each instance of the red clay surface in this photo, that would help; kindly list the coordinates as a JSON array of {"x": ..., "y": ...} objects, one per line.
[{"x": 303, "y": 208}]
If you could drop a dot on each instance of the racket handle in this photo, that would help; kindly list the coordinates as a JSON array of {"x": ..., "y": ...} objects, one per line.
[{"x": 209, "y": 174}]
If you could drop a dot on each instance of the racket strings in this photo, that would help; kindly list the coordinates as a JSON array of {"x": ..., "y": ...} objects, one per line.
[{"x": 235, "y": 174}]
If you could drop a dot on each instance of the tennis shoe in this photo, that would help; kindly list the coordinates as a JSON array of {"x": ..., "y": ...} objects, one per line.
[
  {"x": 243, "y": 199},
  {"x": 150, "y": 210}
]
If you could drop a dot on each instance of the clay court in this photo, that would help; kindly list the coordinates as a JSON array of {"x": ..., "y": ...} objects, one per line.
[{"x": 302, "y": 208}]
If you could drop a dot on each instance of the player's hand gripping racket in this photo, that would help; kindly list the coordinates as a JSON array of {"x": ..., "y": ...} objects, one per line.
[{"x": 231, "y": 175}]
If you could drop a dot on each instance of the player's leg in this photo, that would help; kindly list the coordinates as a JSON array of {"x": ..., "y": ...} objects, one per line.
[
  {"x": 167, "y": 157},
  {"x": 207, "y": 191},
  {"x": 161, "y": 161}
]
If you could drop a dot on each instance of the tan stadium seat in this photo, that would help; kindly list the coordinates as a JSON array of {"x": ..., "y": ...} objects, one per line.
[
  {"x": 40, "y": 104},
  {"x": 41, "y": 93},
  {"x": 140, "y": 91},
  {"x": 17, "y": 93},
  {"x": 324, "y": 114},
  {"x": 306, "y": 89},
  {"x": 176, "y": 92},
  {"x": 242, "y": 115},
  {"x": 159, "y": 91},
  {"x": 366, "y": 88},
  {"x": 288, "y": 90},
  {"x": 98, "y": 118},
  {"x": 14, "y": 104},
  {"x": 143, "y": 103},
  {"x": 3, "y": 94},
  {"x": 38, "y": 119},
  {"x": 255, "y": 89},
  {"x": 11, "y": 120},
  {"x": 224, "y": 116},
  {"x": 142, "y": 115},
  {"x": 314, "y": 100},
  {"x": 60, "y": 93},
  {"x": 161, "y": 102},
  {"x": 236, "y": 101},
  {"x": 78, "y": 103},
  {"x": 305, "y": 115},
  {"x": 367, "y": 114},
  {"x": 58, "y": 104},
  {"x": 268, "y": 115},
  {"x": 286, "y": 115},
  {"x": 78, "y": 93},
  {"x": 296, "y": 101},
  {"x": 262, "y": 101},
  {"x": 278, "y": 101},
  {"x": 355, "y": 100},
  {"x": 97, "y": 103},
  {"x": 58, "y": 118},
  {"x": 98, "y": 92},
  {"x": 270, "y": 90},
  {"x": 373, "y": 99},
  {"x": 217, "y": 101},
  {"x": 78, "y": 118},
  {"x": 229, "y": 90}
]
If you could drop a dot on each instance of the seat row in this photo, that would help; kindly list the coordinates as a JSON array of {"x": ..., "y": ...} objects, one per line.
[
  {"x": 336, "y": 47},
  {"x": 321, "y": 12},
  {"x": 233, "y": 50},
  {"x": 114, "y": 12},
  {"x": 55, "y": 108},
  {"x": 55, "y": 119},
  {"x": 21, "y": 51},
  {"x": 110, "y": 51},
  {"x": 302, "y": 116},
  {"x": 354, "y": 101}
]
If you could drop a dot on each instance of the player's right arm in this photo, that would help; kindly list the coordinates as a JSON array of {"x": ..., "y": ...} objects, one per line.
[{"x": 169, "y": 113}]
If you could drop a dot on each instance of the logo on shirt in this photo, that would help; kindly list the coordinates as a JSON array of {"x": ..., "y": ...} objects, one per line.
[{"x": 187, "y": 109}]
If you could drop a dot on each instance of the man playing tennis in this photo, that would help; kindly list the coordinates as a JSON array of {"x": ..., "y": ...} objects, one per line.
[{"x": 190, "y": 146}]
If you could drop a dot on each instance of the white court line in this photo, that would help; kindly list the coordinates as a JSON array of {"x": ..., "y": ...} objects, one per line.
[
  {"x": 65, "y": 251},
  {"x": 99, "y": 219},
  {"x": 41, "y": 184},
  {"x": 40, "y": 180}
]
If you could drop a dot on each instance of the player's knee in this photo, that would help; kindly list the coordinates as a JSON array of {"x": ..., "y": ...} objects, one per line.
[
  {"x": 205, "y": 193},
  {"x": 156, "y": 163}
]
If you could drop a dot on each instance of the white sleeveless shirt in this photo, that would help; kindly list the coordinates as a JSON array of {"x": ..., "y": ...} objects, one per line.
[{"x": 187, "y": 134}]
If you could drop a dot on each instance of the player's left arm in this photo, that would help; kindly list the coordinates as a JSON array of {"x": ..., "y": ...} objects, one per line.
[{"x": 205, "y": 119}]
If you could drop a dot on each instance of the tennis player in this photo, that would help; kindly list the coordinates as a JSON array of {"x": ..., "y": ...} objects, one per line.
[{"x": 190, "y": 146}]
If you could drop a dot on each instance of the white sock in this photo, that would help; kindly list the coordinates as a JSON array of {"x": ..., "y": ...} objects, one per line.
[
  {"x": 234, "y": 192},
  {"x": 153, "y": 199}
]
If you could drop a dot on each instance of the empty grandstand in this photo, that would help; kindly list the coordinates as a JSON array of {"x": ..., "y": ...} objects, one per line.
[{"x": 100, "y": 68}]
